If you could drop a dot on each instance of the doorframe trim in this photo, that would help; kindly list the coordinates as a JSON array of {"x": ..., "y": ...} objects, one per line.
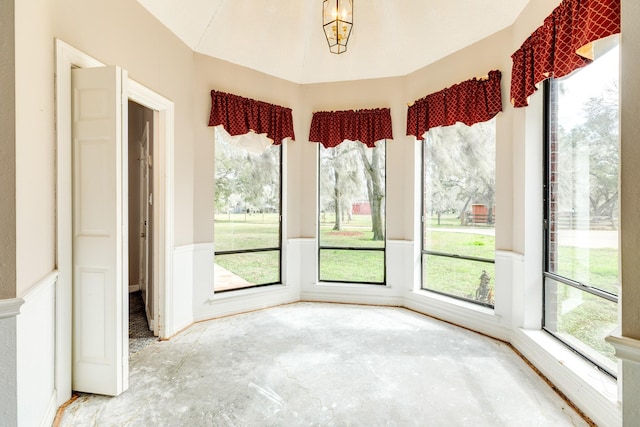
[{"x": 68, "y": 57}]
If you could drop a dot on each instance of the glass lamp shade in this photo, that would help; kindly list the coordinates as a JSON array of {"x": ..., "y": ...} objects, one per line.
[{"x": 337, "y": 21}]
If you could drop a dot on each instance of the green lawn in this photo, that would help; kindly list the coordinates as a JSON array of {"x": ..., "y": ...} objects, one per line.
[
  {"x": 466, "y": 244},
  {"x": 595, "y": 267},
  {"x": 232, "y": 232},
  {"x": 255, "y": 267},
  {"x": 352, "y": 266},
  {"x": 458, "y": 277},
  {"x": 584, "y": 320}
]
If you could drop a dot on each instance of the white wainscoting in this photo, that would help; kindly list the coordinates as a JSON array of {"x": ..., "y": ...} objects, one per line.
[
  {"x": 36, "y": 354},
  {"x": 8, "y": 356},
  {"x": 187, "y": 262},
  {"x": 495, "y": 323},
  {"x": 209, "y": 305},
  {"x": 398, "y": 257}
]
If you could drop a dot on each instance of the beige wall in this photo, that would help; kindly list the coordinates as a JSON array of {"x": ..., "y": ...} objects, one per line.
[
  {"x": 119, "y": 32},
  {"x": 7, "y": 152},
  {"x": 35, "y": 143},
  {"x": 123, "y": 33}
]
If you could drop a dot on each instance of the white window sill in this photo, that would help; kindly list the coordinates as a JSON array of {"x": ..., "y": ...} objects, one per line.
[
  {"x": 454, "y": 302},
  {"x": 580, "y": 372},
  {"x": 351, "y": 285},
  {"x": 239, "y": 293}
]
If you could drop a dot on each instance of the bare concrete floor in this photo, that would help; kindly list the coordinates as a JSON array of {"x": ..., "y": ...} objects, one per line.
[{"x": 327, "y": 364}]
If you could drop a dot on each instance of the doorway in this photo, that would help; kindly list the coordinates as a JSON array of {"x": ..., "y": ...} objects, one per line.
[
  {"x": 67, "y": 59},
  {"x": 140, "y": 198}
]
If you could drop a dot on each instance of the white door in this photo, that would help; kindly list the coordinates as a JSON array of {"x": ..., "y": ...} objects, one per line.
[
  {"x": 143, "y": 244},
  {"x": 100, "y": 252}
]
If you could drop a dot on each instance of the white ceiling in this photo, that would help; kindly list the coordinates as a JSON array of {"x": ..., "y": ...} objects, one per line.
[{"x": 284, "y": 38}]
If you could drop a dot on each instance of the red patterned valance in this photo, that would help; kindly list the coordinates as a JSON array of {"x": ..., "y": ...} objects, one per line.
[
  {"x": 330, "y": 128},
  {"x": 241, "y": 115},
  {"x": 562, "y": 44},
  {"x": 472, "y": 101}
]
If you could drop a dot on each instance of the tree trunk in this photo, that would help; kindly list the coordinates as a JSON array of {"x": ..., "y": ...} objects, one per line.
[
  {"x": 374, "y": 189},
  {"x": 463, "y": 212},
  {"x": 337, "y": 201}
]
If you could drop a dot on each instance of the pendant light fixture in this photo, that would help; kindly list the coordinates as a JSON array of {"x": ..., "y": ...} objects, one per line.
[{"x": 337, "y": 22}]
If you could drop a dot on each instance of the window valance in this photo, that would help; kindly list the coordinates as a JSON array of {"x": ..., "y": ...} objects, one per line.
[
  {"x": 562, "y": 44},
  {"x": 240, "y": 115},
  {"x": 330, "y": 128},
  {"x": 472, "y": 101}
]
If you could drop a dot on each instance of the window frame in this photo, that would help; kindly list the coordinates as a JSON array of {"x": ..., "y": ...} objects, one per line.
[
  {"x": 546, "y": 215},
  {"x": 427, "y": 252},
  {"x": 383, "y": 249},
  {"x": 258, "y": 250}
]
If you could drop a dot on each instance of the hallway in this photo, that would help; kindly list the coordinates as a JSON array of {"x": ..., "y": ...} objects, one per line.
[{"x": 327, "y": 364}]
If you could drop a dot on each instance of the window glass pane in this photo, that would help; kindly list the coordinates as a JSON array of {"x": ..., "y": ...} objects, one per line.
[
  {"x": 244, "y": 270},
  {"x": 459, "y": 211},
  {"x": 582, "y": 205},
  {"x": 352, "y": 266},
  {"x": 247, "y": 212},
  {"x": 247, "y": 198},
  {"x": 583, "y": 175},
  {"x": 582, "y": 320},
  {"x": 462, "y": 278},
  {"x": 459, "y": 190},
  {"x": 352, "y": 211}
]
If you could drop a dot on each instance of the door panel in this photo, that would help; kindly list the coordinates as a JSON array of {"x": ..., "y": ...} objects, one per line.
[
  {"x": 100, "y": 304},
  {"x": 143, "y": 252}
]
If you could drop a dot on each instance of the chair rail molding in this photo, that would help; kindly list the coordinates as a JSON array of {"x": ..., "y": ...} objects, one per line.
[{"x": 10, "y": 307}]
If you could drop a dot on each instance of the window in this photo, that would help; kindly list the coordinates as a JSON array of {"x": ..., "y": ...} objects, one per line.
[
  {"x": 352, "y": 213},
  {"x": 581, "y": 280},
  {"x": 247, "y": 213},
  {"x": 458, "y": 218}
]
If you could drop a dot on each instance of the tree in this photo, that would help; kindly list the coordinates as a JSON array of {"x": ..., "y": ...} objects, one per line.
[
  {"x": 340, "y": 180},
  {"x": 588, "y": 159},
  {"x": 247, "y": 180},
  {"x": 373, "y": 161},
  {"x": 460, "y": 168},
  {"x": 225, "y": 176}
]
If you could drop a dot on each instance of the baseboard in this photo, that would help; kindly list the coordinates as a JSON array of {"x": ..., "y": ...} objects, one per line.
[
  {"x": 134, "y": 288},
  {"x": 353, "y": 295}
]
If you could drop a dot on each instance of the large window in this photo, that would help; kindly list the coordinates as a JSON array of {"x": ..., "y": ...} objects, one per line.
[
  {"x": 247, "y": 213},
  {"x": 581, "y": 280},
  {"x": 352, "y": 213},
  {"x": 458, "y": 218}
]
